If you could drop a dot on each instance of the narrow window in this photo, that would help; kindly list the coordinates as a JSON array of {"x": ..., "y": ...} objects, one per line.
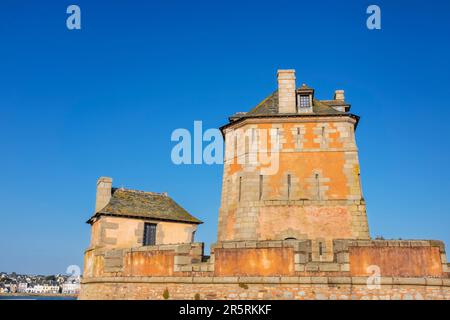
[
  {"x": 320, "y": 249},
  {"x": 149, "y": 234},
  {"x": 289, "y": 186},
  {"x": 240, "y": 187},
  {"x": 261, "y": 182},
  {"x": 323, "y": 136},
  {"x": 318, "y": 186}
]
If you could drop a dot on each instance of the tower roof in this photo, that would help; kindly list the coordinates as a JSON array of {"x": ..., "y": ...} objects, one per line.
[{"x": 269, "y": 107}]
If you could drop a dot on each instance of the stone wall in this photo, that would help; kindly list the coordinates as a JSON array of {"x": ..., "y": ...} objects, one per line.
[
  {"x": 301, "y": 288},
  {"x": 407, "y": 267},
  {"x": 118, "y": 232},
  {"x": 314, "y": 193}
]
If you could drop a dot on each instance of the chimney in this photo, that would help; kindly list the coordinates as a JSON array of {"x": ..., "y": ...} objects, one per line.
[
  {"x": 286, "y": 91},
  {"x": 103, "y": 196},
  {"x": 339, "y": 95}
]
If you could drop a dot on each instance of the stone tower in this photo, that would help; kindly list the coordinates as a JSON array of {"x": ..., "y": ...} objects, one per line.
[{"x": 291, "y": 171}]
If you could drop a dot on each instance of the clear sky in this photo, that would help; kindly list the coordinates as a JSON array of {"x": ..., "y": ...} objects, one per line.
[{"x": 104, "y": 100}]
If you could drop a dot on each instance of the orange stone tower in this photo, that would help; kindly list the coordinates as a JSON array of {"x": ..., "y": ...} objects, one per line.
[{"x": 291, "y": 171}]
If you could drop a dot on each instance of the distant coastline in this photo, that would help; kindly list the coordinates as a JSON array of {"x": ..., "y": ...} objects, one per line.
[{"x": 24, "y": 294}]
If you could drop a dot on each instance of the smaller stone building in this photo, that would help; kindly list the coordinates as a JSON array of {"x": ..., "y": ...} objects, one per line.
[{"x": 128, "y": 218}]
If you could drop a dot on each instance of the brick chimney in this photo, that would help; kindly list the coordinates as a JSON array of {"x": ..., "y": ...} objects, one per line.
[
  {"x": 286, "y": 91},
  {"x": 339, "y": 95},
  {"x": 103, "y": 196}
]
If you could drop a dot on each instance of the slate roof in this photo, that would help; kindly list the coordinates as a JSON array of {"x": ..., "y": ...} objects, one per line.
[
  {"x": 144, "y": 205},
  {"x": 269, "y": 108}
]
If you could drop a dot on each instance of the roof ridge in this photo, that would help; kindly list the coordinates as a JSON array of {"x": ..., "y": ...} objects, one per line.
[{"x": 145, "y": 192}]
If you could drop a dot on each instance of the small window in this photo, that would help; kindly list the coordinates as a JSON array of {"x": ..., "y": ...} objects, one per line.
[
  {"x": 149, "y": 234},
  {"x": 240, "y": 188},
  {"x": 261, "y": 183},
  {"x": 317, "y": 185},
  {"x": 320, "y": 249},
  {"x": 304, "y": 101},
  {"x": 288, "y": 186}
]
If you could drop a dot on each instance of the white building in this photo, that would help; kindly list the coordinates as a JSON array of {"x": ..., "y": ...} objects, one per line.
[
  {"x": 71, "y": 288},
  {"x": 23, "y": 286},
  {"x": 46, "y": 289}
]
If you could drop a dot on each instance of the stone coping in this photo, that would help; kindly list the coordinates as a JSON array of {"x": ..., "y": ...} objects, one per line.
[
  {"x": 442, "y": 282},
  {"x": 305, "y": 202},
  {"x": 160, "y": 247}
]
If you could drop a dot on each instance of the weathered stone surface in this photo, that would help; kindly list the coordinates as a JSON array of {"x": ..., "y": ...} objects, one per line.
[{"x": 230, "y": 289}]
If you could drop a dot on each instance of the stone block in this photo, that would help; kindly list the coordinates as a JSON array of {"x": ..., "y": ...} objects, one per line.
[
  {"x": 319, "y": 280},
  {"x": 304, "y": 280},
  {"x": 229, "y": 245},
  {"x": 433, "y": 282},
  {"x": 289, "y": 279},
  {"x": 409, "y": 281},
  {"x": 340, "y": 280},
  {"x": 275, "y": 244},
  {"x": 183, "y": 248},
  {"x": 345, "y": 267},
  {"x": 299, "y": 267},
  {"x": 329, "y": 267},
  {"x": 359, "y": 280},
  {"x": 343, "y": 257},
  {"x": 419, "y": 243},
  {"x": 250, "y": 244},
  {"x": 312, "y": 267},
  {"x": 186, "y": 268},
  {"x": 182, "y": 260},
  {"x": 225, "y": 279},
  {"x": 340, "y": 245},
  {"x": 240, "y": 244},
  {"x": 303, "y": 246},
  {"x": 271, "y": 279},
  {"x": 202, "y": 279}
]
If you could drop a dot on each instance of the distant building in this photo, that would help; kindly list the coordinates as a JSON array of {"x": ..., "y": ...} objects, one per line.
[
  {"x": 43, "y": 289},
  {"x": 22, "y": 287},
  {"x": 70, "y": 288}
]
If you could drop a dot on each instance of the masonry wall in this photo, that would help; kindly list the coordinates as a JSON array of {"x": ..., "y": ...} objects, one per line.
[
  {"x": 285, "y": 265},
  {"x": 299, "y": 289},
  {"x": 314, "y": 193},
  {"x": 118, "y": 232}
]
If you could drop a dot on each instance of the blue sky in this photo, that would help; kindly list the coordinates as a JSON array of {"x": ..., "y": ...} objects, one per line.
[{"x": 104, "y": 100}]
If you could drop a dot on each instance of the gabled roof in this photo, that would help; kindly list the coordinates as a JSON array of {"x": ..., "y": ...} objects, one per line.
[{"x": 144, "y": 205}]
